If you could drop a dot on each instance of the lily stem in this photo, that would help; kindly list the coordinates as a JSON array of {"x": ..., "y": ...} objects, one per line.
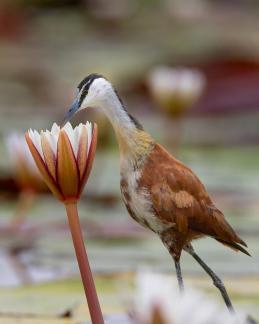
[{"x": 84, "y": 266}]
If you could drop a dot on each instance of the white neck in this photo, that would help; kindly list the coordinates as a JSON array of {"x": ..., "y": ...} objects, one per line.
[
  {"x": 119, "y": 118},
  {"x": 132, "y": 140}
]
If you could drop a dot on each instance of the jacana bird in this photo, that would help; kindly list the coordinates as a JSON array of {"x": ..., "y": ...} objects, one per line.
[{"x": 159, "y": 192}]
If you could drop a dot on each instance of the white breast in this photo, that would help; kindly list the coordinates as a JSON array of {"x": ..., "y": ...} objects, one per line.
[{"x": 140, "y": 202}]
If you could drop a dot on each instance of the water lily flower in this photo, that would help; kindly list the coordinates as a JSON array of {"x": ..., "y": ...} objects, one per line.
[
  {"x": 26, "y": 175},
  {"x": 176, "y": 89},
  {"x": 157, "y": 300},
  {"x": 25, "y": 171},
  {"x": 64, "y": 157}
]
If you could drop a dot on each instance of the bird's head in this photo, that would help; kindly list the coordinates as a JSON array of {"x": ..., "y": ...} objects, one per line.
[
  {"x": 92, "y": 91},
  {"x": 96, "y": 91}
]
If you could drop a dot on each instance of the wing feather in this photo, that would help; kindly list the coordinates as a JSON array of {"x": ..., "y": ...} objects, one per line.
[{"x": 179, "y": 197}]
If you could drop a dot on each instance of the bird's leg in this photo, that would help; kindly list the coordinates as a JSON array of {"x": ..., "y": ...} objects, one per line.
[
  {"x": 179, "y": 275},
  {"x": 216, "y": 280},
  {"x": 174, "y": 250}
]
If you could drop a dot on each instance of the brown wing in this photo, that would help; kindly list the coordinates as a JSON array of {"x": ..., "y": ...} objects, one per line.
[{"x": 178, "y": 196}]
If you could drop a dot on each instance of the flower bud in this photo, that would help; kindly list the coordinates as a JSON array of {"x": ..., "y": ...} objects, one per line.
[{"x": 64, "y": 157}]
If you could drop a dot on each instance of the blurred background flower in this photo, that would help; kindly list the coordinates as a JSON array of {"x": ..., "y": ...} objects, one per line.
[
  {"x": 25, "y": 174},
  {"x": 25, "y": 171},
  {"x": 158, "y": 301},
  {"x": 176, "y": 89}
]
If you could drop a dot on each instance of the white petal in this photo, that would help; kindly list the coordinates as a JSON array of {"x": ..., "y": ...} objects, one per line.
[
  {"x": 89, "y": 135},
  {"x": 77, "y": 134},
  {"x": 36, "y": 139},
  {"x": 18, "y": 149},
  {"x": 53, "y": 141},
  {"x": 55, "y": 129},
  {"x": 186, "y": 84},
  {"x": 71, "y": 135},
  {"x": 11, "y": 145}
]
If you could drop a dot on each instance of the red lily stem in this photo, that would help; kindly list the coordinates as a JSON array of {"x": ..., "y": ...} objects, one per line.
[{"x": 84, "y": 266}]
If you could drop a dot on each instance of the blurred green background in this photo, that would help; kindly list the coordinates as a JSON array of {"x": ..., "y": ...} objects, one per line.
[{"x": 46, "y": 48}]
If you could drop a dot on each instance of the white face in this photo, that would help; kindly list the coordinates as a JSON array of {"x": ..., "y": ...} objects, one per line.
[{"x": 99, "y": 92}]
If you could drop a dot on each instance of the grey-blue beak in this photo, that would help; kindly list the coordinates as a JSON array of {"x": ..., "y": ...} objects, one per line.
[{"x": 74, "y": 107}]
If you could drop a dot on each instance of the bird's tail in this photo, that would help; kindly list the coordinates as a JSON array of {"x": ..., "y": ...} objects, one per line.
[{"x": 235, "y": 246}]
